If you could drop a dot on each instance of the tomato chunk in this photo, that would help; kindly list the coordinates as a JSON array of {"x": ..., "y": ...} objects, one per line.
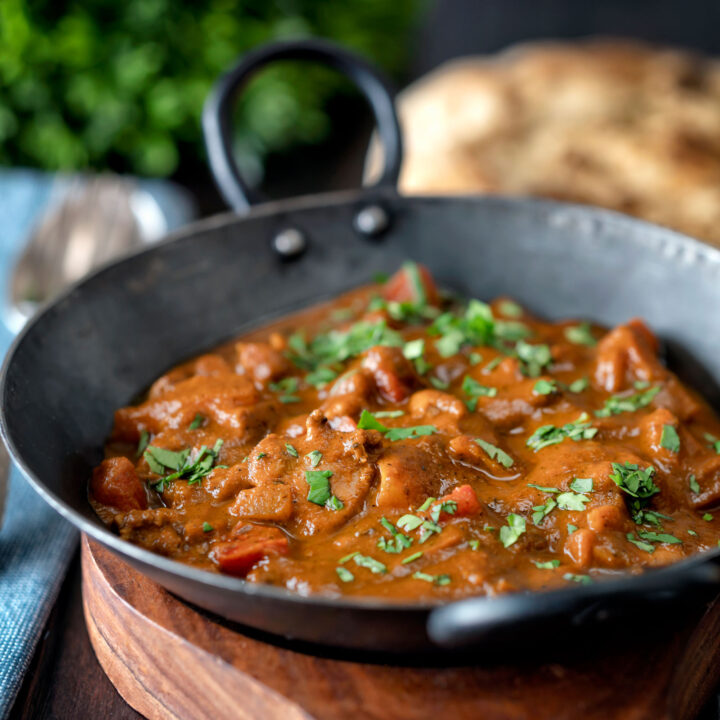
[
  {"x": 254, "y": 542},
  {"x": 466, "y": 499},
  {"x": 412, "y": 283},
  {"x": 116, "y": 484}
]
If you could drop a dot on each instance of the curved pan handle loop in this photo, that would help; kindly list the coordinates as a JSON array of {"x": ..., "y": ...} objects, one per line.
[
  {"x": 218, "y": 106},
  {"x": 542, "y": 616}
]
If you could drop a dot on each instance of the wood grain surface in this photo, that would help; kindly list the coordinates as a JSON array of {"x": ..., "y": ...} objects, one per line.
[{"x": 169, "y": 660}]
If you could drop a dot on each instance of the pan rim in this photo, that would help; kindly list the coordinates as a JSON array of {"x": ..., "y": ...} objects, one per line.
[{"x": 662, "y": 239}]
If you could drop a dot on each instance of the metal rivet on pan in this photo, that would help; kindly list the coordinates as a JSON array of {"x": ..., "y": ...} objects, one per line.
[
  {"x": 372, "y": 220},
  {"x": 289, "y": 242}
]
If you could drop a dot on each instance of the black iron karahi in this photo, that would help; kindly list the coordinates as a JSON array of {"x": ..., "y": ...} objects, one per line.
[{"x": 107, "y": 338}]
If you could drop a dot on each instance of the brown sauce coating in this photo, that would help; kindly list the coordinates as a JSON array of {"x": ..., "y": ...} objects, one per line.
[{"x": 397, "y": 449}]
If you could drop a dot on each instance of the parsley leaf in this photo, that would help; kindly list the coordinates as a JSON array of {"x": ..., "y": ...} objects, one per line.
[
  {"x": 473, "y": 389},
  {"x": 713, "y": 442},
  {"x": 397, "y": 543},
  {"x": 659, "y": 537},
  {"x": 547, "y": 565},
  {"x": 541, "y": 511},
  {"x": 581, "y": 579},
  {"x": 321, "y": 376},
  {"x": 344, "y": 574},
  {"x": 315, "y": 456},
  {"x": 580, "y": 334},
  {"x": 142, "y": 443},
  {"x": 544, "y": 489},
  {"x": 291, "y": 450},
  {"x": 189, "y": 465},
  {"x": 369, "y": 422},
  {"x": 579, "y": 385},
  {"x": 634, "y": 481},
  {"x": 207, "y": 527},
  {"x": 410, "y": 522},
  {"x": 374, "y": 566},
  {"x": 617, "y": 404},
  {"x": 669, "y": 439},
  {"x": 495, "y": 453},
  {"x": 412, "y": 558},
  {"x": 435, "y": 579},
  {"x": 546, "y": 435},
  {"x": 510, "y": 309},
  {"x": 319, "y": 482},
  {"x": 572, "y": 501},
  {"x": 582, "y": 485},
  {"x": 692, "y": 481},
  {"x": 510, "y": 533},
  {"x": 545, "y": 387},
  {"x": 198, "y": 420},
  {"x": 646, "y": 546},
  {"x": 533, "y": 358}
]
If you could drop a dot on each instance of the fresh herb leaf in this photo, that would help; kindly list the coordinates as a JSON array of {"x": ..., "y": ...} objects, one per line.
[
  {"x": 374, "y": 566},
  {"x": 207, "y": 527},
  {"x": 491, "y": 365},
  {"x": 533, "y": 358},
  {"x": 694, "y": 484},
  {"x": 334, "y": 503},
  {"x": 547, "y": 565},
  {"x": 435, "y": 579},
  {"x": 692, "y": 532},
  {"x": 579, "y": 385},
  {"x": 713, "y": 442},
  {"x": 286, "y": 385},
  {"x": 572, "y": 501},
  {"x": 344, "y": 574},
  {"x": 321, "y": 376},
  {"x": 646, "y": 546},
  {"x": 571, "y": 528},
  {"x": 582, "y": 485},
  {"x": 581, "y": 579},
  {"x": 546, "y": 435},
  {"x": 142, "y": 443},
  {"x": 428, "y": 529},
  {"x": 475, "y": 358},
  {"x": 510, "y": 533},
  {"x": 319, "y": 482},
  {"x": 439, "y": 384},
  {"x": 634, "y": 481},
  {"x": 414, "y": 349},
  {"x": 426, "y": 504},
  {"x": 580, "y": 334},
  {"x": 408, "y": 523},
  {"x": 412, "y": 558},
  {"x": 669, "y": 439},
  {"x": 617, "y": 404},
  {"x": 545, "y": 387},
  {"x": 472, "y": 388},
  {"x": 315, "y": 456},
  {"x": 287, "y": 399},
  {"x": 189, "y": 465},
  {"x": 369, "y": 422},
  {"x": 474, "y": 544},
  {"x": 397, "y": 543},
  {"x": 544, "y": 489},
  {"x": 291, "y": 450},
  {"x": 197, "y": 422},
  {"x": 707, "y": 517},
  {"x": 389, "y": 413},
  {"x": 510, "y": 309},
  {"x": 448, "y": 506},
  {"x": 659, "y": 537},
  {"x": 495, "y": 453},
  {"x": 540, "y": 512},
  {"x": 347, "y": 557}
]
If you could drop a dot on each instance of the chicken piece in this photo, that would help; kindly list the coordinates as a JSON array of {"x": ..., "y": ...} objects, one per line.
[
  {"x": 350, "y": 393},
  {"x": 625, "y": 355},
  {"x": 434, "y": 407},
  {"x": 262, "y": 362},
  {"x": 467, "y": 450},
  {"x": 115, "y": 483},
  {"x": 408, "y": 475},
  {"x": 393, "y": 373}
]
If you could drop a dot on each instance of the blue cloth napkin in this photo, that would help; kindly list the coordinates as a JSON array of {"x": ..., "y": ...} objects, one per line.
[{"x": 36, "y": 544}]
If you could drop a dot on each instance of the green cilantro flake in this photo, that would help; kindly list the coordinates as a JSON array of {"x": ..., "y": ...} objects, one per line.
[
  {"x": 618, "y": 404},
  {"x": 510, "y": 533},
  {"x": 291, "y": 450},
  {"x": 694, "y": 487},
  {"x": 581, "y": 579},
  {"x": 374, "y": 566},
  {"x": 198, "y": 420},
  {"x": 713, "y": 442},
  {"x": 319, "y": 482},
  {"x": 495, "y": 453},
  {"x": 510, "y": 309},
  {"x": 344, "y": 574},
  {"x": 142, "y": 443},
  {"x": 389, "y": 413},
  {"x": 408, "y": 523},
  {"x": 646, "y": 546},
  {"x": 571, "y": 528},
  {"x": 207, "y": 527},
  {"x": 412, "y": 558},
  {"x": 580, "y": 334},
  {"x": 572, "y": 501},
  {"x": 369, "y": 422},
  {"x": 669, "y": 439},
  {"x": 579, "y": 385},
  {"x": 582, "y": 485},
  {"x": 320, "y": 377},
  {"x": 547, "y": 565},
  {"x": 546, "y": 435},
  {"x": 544, "y": 489},
  {"x": 545, "y": 387},
  {"x": 707, "y": 517},
  {"x": 315, "y": 456}
]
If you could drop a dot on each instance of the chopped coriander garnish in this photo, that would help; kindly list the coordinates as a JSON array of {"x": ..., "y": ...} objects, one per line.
[
  {"x": 545, "y": 387},
  {"x": 186, "y": 464},
  {"x": 540, "y": 512},
  {"x": 659, "y": 537},
  {"x": 197, "y": 422},
  {"x": 617, "y": 404},
  {"x": 488, "y": 528},
  {"x": 510, "y": 533},
  {"x": 572, "y": 501},
  {"x": 448, "y": 506},
  {"x": 580, "y": 334},
  {"x": 474, "y": 544},
  {"x": 439, "y": 384},
  {"x": 334, "y": 503},
  {"x": 344, "y": 574},
  {"x": 369, "y": 422},
  {"x": 669, "y": 439},
  {"x": 544, "y": 489},
  {"x": 286, "y": 385},
  {"x": 579, "y": 385},
  {"x": 413, "y": 557},
  {"x": 414, "y": 349},
  {"x": 495, "y": 453},
  {"x": 408, "y": 523},
  {"x": 435, "y": 579},
  {"x": 345, "y": 558},
  {"x": 491, "y": 365},
  {"x": 319, "y": 482},
  {"x": 291, "y": 450},
  {"x": 427, "y": 529},
  {"x": 582, "y": 579},
  {"x": 582, "y": 485},
  {"x": 713, "y": 442},
  {"x": 694, "y": 487},
  {"x": 287, "y": 399},
  {"x": 397, "y": 543},
  {"x": 533, "y": 358},
  {"x": 315, "y": 456},
  {"x": 320, "y": 377},
  {"x": 374, "y": 566},
  {"x": 260, "y": 455},
  {"x": 389, "y": 413},
  {"x": 510, "y": 309},
  {"x": 634, "y": 481},
  {"x": 646, "y": 546},
  {"x": 142, "y": 443},
  {"x": 207, "y": 527},
  {"x": 426, "y": 504},
  {"x": 547, "y": 565},
  {"x": 571, "y": 528},
  {"x": 707, "y": 517},
  {"x": 546, "y": 435},
  {"x": 692, "y": 532},
  {"x": 472, "y": 388},
  {"x": 475, "y": 358}
]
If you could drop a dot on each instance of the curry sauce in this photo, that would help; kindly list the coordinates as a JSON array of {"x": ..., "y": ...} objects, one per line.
[{"x": 399, "y": 444}]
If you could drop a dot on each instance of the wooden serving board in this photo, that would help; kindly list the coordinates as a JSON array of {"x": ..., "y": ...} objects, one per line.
[{"x": 169, "y": 660}]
